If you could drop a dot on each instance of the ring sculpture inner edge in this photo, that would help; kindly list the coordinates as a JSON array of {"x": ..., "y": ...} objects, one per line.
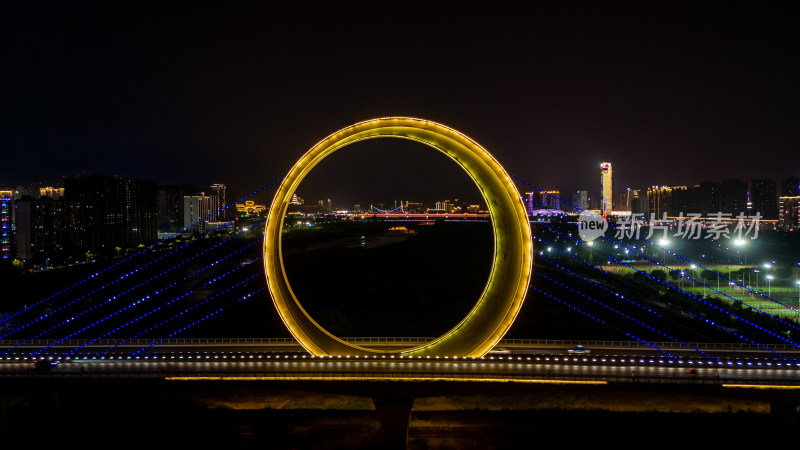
[{"x": 509, "y": 279}]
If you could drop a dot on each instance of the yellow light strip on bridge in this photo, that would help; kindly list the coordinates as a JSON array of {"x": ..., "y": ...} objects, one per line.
[{"x": 759, "y": 386}]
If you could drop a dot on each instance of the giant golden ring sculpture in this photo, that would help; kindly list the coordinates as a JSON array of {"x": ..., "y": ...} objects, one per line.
[{"x": 505, "y": 291}]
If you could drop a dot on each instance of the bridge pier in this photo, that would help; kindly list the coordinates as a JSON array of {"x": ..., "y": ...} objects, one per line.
[
  {"x": 394, "y": 415},
  {"x": 783, "y": 413}
]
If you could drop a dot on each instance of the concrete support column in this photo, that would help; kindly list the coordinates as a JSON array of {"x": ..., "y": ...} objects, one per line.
[
  {"x": 394, "y": 415},
  {"x": 784, "y": 413}
]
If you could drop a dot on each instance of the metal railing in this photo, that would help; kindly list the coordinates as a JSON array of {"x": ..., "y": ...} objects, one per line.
[
  {"x": 596, "y": 344},
  {"x": 379, "y": 375}
]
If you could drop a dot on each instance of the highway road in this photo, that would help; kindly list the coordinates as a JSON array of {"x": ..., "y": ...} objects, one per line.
[{"x": 527, "y": 362}]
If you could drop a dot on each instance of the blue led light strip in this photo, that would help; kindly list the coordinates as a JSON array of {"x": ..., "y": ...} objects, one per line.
[
  {"x": 774, "y": 317},
  {"x": 209, "y": 315},
  {"x": 600, "y": 320},
  {"x": 633, "y": 319},
  {"x": 733, "y": 315},
  {"x": 699, "y": 266},
  {"x": 588, "y": 280},
  {"x": 110, "y": 299},
  {"x": 158, "y": 308},
  {"x": 140, "y": 301},
  {"x": 142, "y": 251}
]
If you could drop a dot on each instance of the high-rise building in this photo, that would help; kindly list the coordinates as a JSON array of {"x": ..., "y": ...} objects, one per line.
[
  {"x": 6, "y": 223},
  {"x": 115, "y": 212},
  {"x": 733, "y": 197},
  {"x": 550, "y": 199},
  {"x": 671, "y": 200},
  {"x": 31, "y": 191},
  {"x": 219, "y": 202},
  {"x": 170, "y": 206},
  {"x": 51, "y": 192},
  {"x": 530, "y": 202},
  {"x": 790, "y": 187},
  {"x": 607, "y": 189},
  {"x": 659, "y": 201},
  {"x": 619, "y": 201},
  {"x": 705, "y": 198},
  {"x": 48, "y": 229},
  {"x": 580, "y": 200},
  {"x": 789, "y": 213},
  {"x": 196, "y": 211},
  {"x": 764, "y": 198},
  {"x": 636, "y": 202}
]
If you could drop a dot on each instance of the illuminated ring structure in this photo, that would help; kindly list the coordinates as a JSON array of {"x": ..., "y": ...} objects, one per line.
[{"x": 505, "y": 291}]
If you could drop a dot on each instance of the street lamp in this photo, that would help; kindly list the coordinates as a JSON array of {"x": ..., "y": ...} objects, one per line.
[
  {"x": 756, "y": 272},
  {"x": 769, "y": 286},
  {"x": 664, "y": 243},
  {"x": 694, "y": 275},
  {"x": 798, "y": 293},
  {"x": 741, "y": 243}
]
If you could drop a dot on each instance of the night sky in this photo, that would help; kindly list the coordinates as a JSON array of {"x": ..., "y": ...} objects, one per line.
[{"x": 234, "y": 92}]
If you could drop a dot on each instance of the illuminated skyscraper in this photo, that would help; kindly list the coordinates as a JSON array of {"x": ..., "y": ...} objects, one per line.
[
  {"x": 764, "y": 197},
  {"x": 789, "y": 213},
  {"x": 219, "y": 203},
  {"x": 733, "y": 197},
  {"x": 170, "y": 206},
  {"x": 530, "y": 202},
  {"x": 115, "y": 212},
  {"x": 550, "y": 199},
  {"x": 669, "y": 200},
  {"x": 196, "y": 210},
  {"x": 580, "y": 200},
  {"x": 607, "y": 192},
  {"x": 6, "y": 210},
  {"x": 48, "y": 229}
]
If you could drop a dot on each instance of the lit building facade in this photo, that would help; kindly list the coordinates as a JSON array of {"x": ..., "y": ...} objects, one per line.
[
  {"x": 170, "y": 206},
  {"x": 669, "y": 200},
  {"x": 196, "y": 210},
  {"x": 530, "y": 200},
  {"x": 249, "y": 207},
  {"x": 733, "y": 197},
  {"x": 580, "y": 200},
  {"x": 789, "y": 213},
  {"x": 550, "y": 199},
  {"x": 49, "y": 230},
  {"x": 219, "y": 202},
  {"x": 705, "y": 198},
  {"x": 6, "y": 223},
  {"x": 790, "y": 187},
  {"x": 51, "y": 192},
  {"x": 115, "y": 212},
  {"x": 764, "y": 198},
  {"x": 607, "y": 191}
]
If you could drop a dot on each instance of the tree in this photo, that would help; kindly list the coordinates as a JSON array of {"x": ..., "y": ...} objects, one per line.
[{"x": 708, "y": 275}]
